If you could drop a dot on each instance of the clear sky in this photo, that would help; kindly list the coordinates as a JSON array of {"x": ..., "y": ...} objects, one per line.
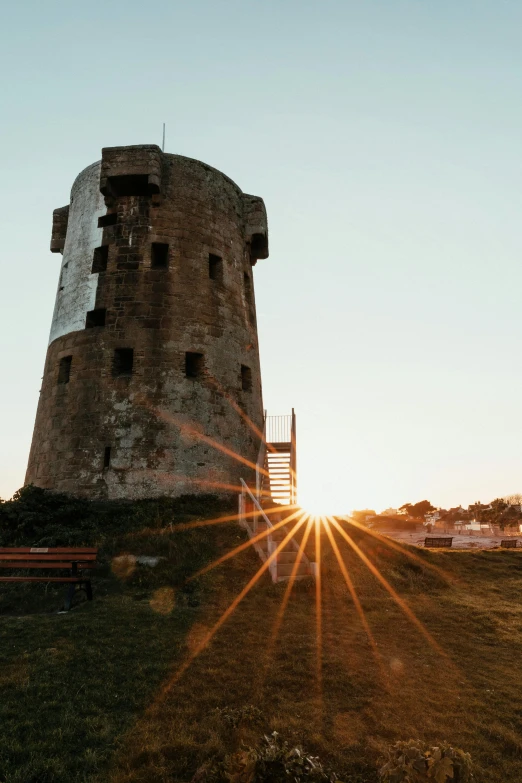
[{"x": 384, "y": 136}]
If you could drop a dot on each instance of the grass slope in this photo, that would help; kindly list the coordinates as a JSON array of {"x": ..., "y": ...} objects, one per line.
[{"x": 93, "y": 695}]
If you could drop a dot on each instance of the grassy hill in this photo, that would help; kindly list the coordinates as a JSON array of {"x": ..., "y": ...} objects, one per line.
[{"x": 97, "y": 694}]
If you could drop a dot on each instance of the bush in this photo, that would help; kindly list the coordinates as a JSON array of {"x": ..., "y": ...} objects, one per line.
[
  {"x": 233, "y": 717},
  {"x": 274, "y": 761},
  {"x": 414, "y": 762},
  {"x": 39, "y": 517}
]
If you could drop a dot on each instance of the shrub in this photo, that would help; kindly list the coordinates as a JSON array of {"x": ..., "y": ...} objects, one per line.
[
  {"x": 273, "y": 761},
  {"x": 39, "y": 517},
  {"x": 233, "y": 717},
  {"x": 414, "y": 762}
]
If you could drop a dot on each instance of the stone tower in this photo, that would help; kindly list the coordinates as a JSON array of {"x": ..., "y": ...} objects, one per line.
[{"x": 152, "y": 372}]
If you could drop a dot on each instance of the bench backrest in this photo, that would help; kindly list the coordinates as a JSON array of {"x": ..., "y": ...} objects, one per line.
[
  {"x": 509, "y": 543},
  {"x": 48, "y": 557},
  {"x": 438, "y": 542}
]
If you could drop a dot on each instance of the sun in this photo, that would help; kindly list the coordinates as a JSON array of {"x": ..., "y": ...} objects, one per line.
[{"x": 315, "y": 504}]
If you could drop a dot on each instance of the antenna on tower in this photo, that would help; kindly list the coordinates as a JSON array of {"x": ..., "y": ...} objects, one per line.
[{"x": 163, "y": 145}]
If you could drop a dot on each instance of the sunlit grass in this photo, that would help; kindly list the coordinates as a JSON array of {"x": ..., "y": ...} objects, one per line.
[{"x": 149, "y": 668}]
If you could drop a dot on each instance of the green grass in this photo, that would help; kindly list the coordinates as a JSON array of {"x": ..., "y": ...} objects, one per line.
[{"x": 93, "y": 695}]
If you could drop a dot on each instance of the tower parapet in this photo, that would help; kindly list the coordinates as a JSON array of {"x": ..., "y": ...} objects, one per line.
[{"x": 152, "y": 382}]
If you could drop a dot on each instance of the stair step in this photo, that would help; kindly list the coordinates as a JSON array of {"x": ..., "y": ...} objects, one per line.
[
  {"x": 285, "y": 569},
  {"x": 287, "y": 557}
]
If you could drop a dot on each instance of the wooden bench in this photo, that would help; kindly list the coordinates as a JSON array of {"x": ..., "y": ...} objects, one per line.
[
  {"x": 75, "y": 560},
  {"x": 509, "y": 543},
  {"x": 438, "y": 542}
]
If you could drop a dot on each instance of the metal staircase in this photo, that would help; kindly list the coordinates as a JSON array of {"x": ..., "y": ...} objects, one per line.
[
  {"x": 276, "y": 483},
  {"x": 280, "y": 479}
]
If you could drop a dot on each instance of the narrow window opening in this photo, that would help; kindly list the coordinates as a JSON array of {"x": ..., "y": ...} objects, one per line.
[
  {"x": 246, "y": 378},
  {"x": 95, "y": 318},
  {"x": 108, "y": 220},
  {"x": 248, "y": 288},
  {"x": 159, "y": 255},
  {"x": 64, "y": 370},
  {"x": 215, "y": 267},
  {"x": 194, "y": 365},
  {"x": 100, "y": 258},
  {"x": 107, "y": 457},
  {"x": 249, "y": 299},
  {"x": 123, "y": 361}
]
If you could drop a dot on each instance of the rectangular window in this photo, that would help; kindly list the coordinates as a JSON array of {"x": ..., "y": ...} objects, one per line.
[
  {"x": 129, "y": 185},
  {"x": 107, "y": 457},
  {"x": 246, "y": 378},
  {"x": 159, "y": 255},
  {"x": 95, "y": 318},
  {"x": 194, "y": 365},
  {"x": 100, "y": 258},
  {"x": 215, "y": 267},
  {"x": 123, "y": 361},
  {"x": 64, "y": 370},
  {"x": 108, "y": 220}
]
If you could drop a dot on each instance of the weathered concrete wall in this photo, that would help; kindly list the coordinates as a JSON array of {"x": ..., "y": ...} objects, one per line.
[
  {"x": 167, "y": 433},
  {"x": 76, "y": 285}
]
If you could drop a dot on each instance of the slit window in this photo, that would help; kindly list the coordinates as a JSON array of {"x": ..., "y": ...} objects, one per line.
[
  {"x": 248, "y": 289},
  {"x": 106, "y": 457},
  {"x": 246, "y": 378},
  {"x": 249, "y": 299},
  {"x": 64, "y": 370},
  {"x": 194, "y": 365},
  {"x": 159, "y": 255},
  {"x": 215, "y": 267},
  {"x": 95, "y": 318},
  {"x": 108, "y": 220},
  {"x": 123, "y": 362},
  {"x": 100, "y": 258}
]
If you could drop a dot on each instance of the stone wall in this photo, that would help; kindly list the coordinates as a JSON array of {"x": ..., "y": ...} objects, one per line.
[{"x": 157, "y": 267}]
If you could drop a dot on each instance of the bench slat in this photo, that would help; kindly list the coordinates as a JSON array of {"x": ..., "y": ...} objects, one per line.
[
  {"x": 509, "y": 543},
  {"x": 32, "y": 564},
  {"x": 66, "y": 557},
  {"x": 48, "y": 549},
  {"x": 43, "y": 579}
]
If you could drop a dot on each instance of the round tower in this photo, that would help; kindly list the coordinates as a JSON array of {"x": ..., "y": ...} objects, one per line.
[{"x": 152, "y": 383}]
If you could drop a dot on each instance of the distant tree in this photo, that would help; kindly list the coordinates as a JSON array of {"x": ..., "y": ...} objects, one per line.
[
  {"x": 499, "y": 512},
  {"x": 406, "y": 508},
  {"x": 514, "y": 500},
  {"x": 419, "y": 509}
]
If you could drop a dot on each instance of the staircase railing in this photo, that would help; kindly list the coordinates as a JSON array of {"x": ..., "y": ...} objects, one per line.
[
  {"x": 250, "y": 523},
  {"x": 293, "y": 460},
  {"x": 261, "y": 461},
  {"x": 278, "y": 429}
]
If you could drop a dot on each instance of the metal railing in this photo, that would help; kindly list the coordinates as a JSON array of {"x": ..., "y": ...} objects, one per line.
[
  {"x": 293, "y": 459},
  {"x": 278, "y": 429},
  {"x": 249, "y": 513}
]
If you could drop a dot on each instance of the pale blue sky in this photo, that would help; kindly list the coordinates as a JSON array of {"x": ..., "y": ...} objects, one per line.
[{"x": 384, "y": 136}]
